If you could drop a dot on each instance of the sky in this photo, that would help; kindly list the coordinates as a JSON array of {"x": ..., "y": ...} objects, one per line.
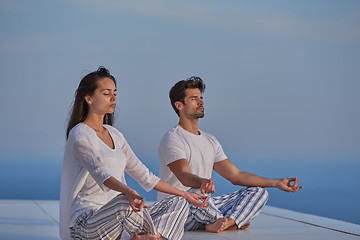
[{"x": 282, "y": 77}]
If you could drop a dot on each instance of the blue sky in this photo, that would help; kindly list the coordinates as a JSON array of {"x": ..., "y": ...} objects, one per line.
[{"x": 282, "y": 76}]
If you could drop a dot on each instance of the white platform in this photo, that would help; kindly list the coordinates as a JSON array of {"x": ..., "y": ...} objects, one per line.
[{"x": 39, "y": 220}]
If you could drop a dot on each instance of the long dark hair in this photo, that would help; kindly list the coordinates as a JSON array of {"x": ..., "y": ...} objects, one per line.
[{"x": 87, "y": 86}]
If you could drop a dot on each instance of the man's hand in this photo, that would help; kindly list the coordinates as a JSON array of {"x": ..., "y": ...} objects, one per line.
[
  {"x": 285, "y": 184},
  {"x": 193, "y": 198},
  {"x": 207, "y": 186}
]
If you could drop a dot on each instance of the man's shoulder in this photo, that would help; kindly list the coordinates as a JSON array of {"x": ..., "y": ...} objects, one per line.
[
  {"x": 171, "y": 137},
  {"x": 173, "y": 132}
]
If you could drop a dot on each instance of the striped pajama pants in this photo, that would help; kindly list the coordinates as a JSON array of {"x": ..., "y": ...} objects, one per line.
[
  {"x": 166, "y": 217},
  {"x": 241, "y": 206}
]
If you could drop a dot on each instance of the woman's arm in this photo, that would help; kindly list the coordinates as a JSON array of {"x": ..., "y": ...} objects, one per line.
[
  {"x": 190, "y": 197},
  {"x": 137, "y": 170},
  {"x": 135, "y": 200}
]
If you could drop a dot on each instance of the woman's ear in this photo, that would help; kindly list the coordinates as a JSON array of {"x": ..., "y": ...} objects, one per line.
[{"x": 88, "y": 99}]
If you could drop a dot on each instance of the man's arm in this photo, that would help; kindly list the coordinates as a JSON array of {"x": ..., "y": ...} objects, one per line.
[
  {"x": 230, "y": 172},
  {"x": 182, "y": 171}
]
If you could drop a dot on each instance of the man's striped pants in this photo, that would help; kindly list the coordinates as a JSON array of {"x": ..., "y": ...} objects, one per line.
[{"x": 241, "y": 206}]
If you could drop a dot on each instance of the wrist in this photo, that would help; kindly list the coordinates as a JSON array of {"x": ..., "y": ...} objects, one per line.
[
  {"x": 130, "y": 192},
  {"x": 203, "y": 180},
  {"x": 184, "y": 194},
  {"x": 276, "y": 183}
]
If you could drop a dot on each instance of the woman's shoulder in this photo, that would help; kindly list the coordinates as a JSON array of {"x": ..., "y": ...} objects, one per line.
[
  {"x": 115, "y": 133},
  {"x": 81, "y": 132},
  {"x": 113, "y": 130}
]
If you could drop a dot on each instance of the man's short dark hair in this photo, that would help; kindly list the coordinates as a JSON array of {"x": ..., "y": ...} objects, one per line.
[{"x": 177, "y": 92}]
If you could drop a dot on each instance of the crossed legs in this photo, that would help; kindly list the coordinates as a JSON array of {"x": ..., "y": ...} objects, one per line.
[{"x": 228, "y": 211}]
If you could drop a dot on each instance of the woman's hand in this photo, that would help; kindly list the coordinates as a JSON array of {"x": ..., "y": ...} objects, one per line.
[
  {"x": 137, "y": 203},
  {"x": 194, "y": 200},
  {"x": 135, "y": 200}
]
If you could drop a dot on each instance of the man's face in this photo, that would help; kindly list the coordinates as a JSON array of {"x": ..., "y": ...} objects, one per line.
[{"x": 194, "y": 104}]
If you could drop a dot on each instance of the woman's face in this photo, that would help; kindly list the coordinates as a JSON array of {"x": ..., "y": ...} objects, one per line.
[{"x": 104, "y": 98}]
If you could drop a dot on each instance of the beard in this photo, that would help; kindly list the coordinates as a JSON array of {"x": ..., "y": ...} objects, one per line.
[
  {"x": 194, "y": 113},
  {"x": 199, "y": 115}
]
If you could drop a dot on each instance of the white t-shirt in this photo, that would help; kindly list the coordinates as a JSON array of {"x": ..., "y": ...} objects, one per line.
[
  {"x": 201, "y": 152},
  {"x": 88, "y": 162}
]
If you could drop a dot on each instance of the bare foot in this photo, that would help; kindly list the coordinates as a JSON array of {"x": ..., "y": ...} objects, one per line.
[
  {"x": 147, "y": 236},
  {"x": 233, "y": 227},
  {"x": 217, "y": 226},
  {"x": 245, "y": 226},
  {"x": 224, "y": 224}
]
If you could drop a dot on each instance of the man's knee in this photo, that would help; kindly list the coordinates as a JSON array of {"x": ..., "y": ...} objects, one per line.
[
  {"x": 260, "y": 191},
  {"x": 266, "y": 194}
]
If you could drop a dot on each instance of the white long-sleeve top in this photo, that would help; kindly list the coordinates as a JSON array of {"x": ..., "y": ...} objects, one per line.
[{"x": 87, "y": 163}]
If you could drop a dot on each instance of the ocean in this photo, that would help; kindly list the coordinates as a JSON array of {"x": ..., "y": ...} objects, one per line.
[{"x": 331, "y": 187}]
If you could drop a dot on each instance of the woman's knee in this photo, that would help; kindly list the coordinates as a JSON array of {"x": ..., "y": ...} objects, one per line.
[
  {"x": 121, "y": 205},
  {"x": 181, "y": 202}
]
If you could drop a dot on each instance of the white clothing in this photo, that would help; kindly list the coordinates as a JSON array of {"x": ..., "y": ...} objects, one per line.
[
  {"x": 88, "y": 162},
  {"x": 201, "y": 152}
]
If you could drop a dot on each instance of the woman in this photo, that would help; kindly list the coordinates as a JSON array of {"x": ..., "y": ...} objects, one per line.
[{"x": 95, "y": 202}]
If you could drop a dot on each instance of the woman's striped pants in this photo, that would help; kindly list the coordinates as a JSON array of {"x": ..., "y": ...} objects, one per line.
[{"x": 166, "y": 217}]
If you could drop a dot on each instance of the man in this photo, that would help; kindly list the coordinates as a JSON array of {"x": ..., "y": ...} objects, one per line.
[{"x": 188, "y": 156}]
